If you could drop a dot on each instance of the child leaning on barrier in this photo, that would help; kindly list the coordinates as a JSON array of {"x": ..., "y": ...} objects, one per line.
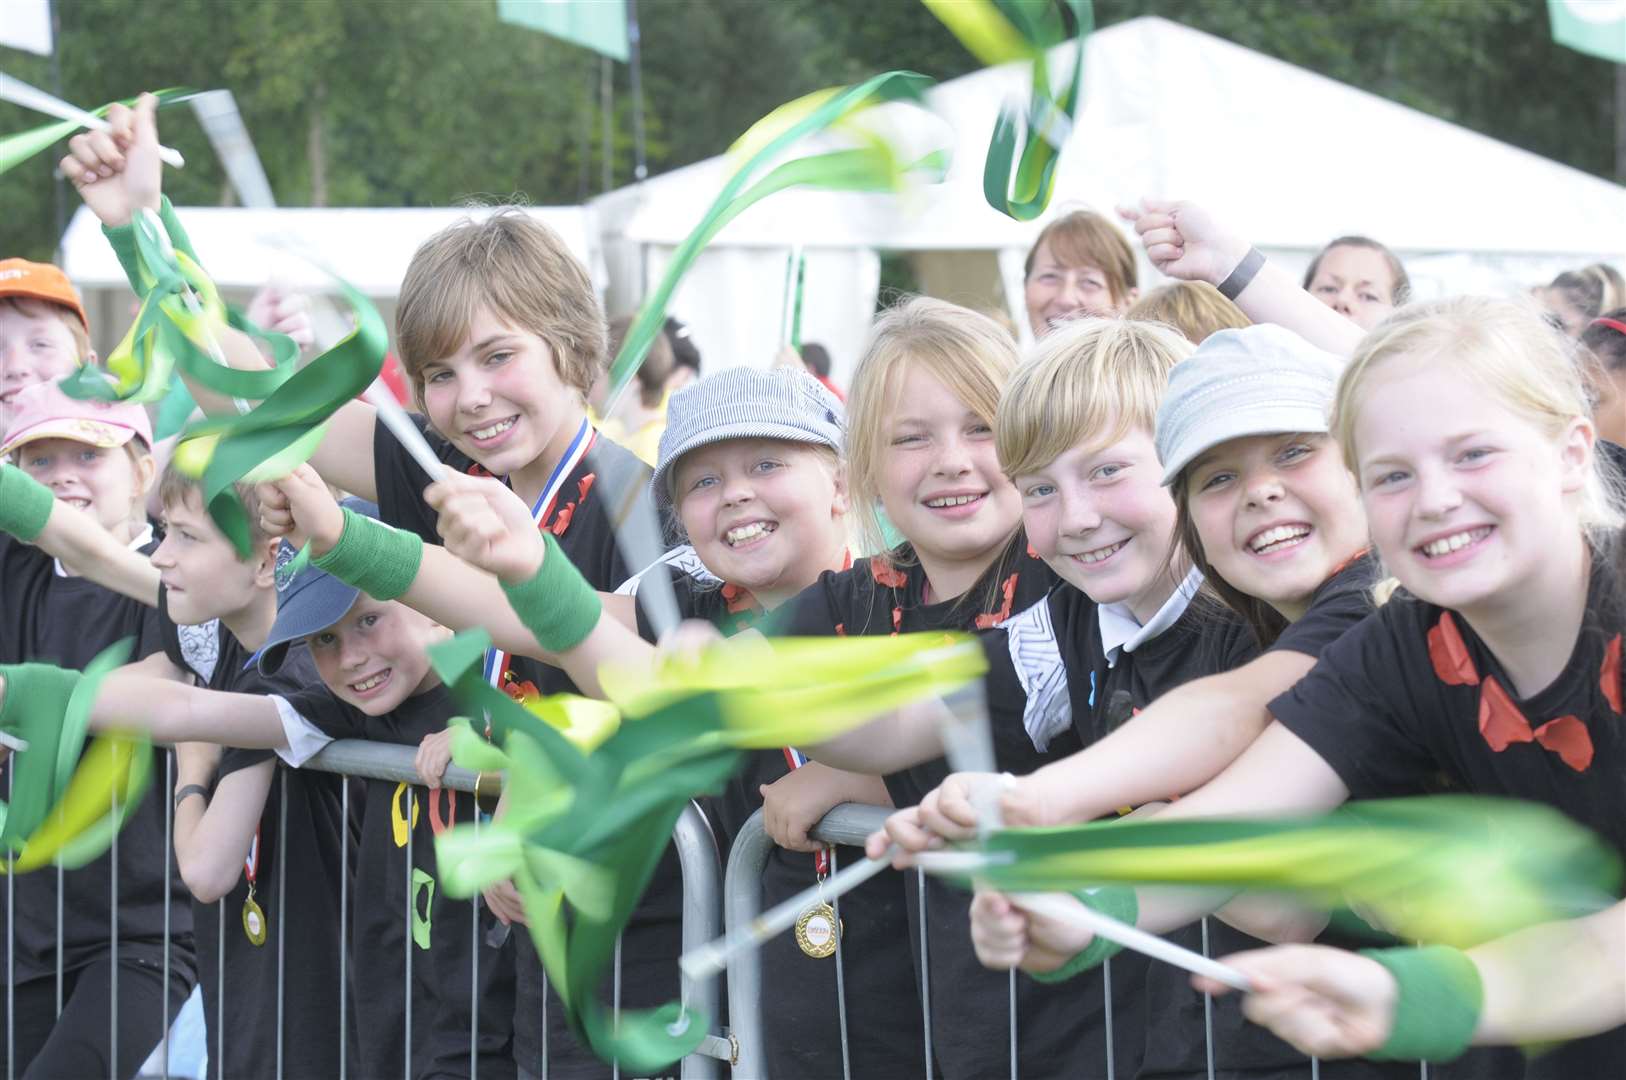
[
  {"x": 375, "y": 684},
  {"x": 501, "y": 335},
  {"x": 96, "y": 457},
  {"x": 239, "y": 843},
  {"x": 751, "y": 470}
]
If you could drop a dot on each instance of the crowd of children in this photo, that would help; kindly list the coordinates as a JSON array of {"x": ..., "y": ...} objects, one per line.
[{"x": 1254, "y": 545}]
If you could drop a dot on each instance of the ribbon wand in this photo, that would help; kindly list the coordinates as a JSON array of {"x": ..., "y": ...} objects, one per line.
[{"x": 20, "y": 93}]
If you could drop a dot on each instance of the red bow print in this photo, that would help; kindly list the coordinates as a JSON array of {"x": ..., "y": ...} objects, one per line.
[
  {"x": 1501, "y": 722},
  {"x": 994, "y": 618},
  {"x": 886, "y": 574}
]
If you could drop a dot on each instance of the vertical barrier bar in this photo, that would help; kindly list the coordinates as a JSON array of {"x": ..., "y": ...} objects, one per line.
[
  {"x": 1208, "y": 1012},
  {"x": 59, "y": 884},
  {"x": 406, "y": 1026},
  {"x": 11, "y": 950},
  {"x": 544, "y": 1018},
  {"x": 742, "y": 902},
  {"x": 615, "y": 1006},
  {"x": 1013, "y": 1022},
  {"x": 282, "y": 910},
  {"x": 699, "y": 863},
  {"x": 925, "y": 971},
  {"x": 1106, "y": 988},
  {"x": 220, "y": 985},
  {"x": 474, "y": 984},
  {"x": 344, "y": 921},
  {"x": 113, "y": 968},
  {"x": 841, "y": 978},
  {"x": 169, "y": 833}
]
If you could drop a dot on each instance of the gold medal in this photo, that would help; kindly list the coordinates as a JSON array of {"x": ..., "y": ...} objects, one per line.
[
  {"x": 816, "y": 930},
  {"x": 254, "y": 924}
]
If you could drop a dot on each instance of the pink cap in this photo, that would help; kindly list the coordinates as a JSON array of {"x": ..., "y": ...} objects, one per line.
[{"x": 43, "y": 411}]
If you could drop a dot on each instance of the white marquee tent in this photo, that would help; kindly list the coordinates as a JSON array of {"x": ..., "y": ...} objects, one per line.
[{"x": 1288, "y": 157}]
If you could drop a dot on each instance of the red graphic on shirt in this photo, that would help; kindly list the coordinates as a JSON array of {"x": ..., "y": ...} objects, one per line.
[
  {"x": 438, "y": 824},
  {"x": 994, "y": 618},
  {"x": 1031, "y": 553},
  {"x": 1501, "y": 721},
  {"x": 737, "y": 598},
  {"x": 887, "y": 574},
  {"x": 1609, "y": 675},
  {"x": 1568, "y": 738},
  {"x": 477, "y": 469},
  {"x": 1450, "y": 655}
]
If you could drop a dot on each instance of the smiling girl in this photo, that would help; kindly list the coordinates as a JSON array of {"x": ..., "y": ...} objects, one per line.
[{"x": 1499, "y": 664}]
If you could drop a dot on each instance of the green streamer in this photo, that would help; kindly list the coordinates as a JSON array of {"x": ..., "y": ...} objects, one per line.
[
  {"x": 999, "y": 31},
  {"x": 584, "y": 831},
  {"x": 1457, "y": 870},
  {"x": 422, "y": 885},
  {"x": 873, "y": 166},
  {"x": 18, "y": 148}
]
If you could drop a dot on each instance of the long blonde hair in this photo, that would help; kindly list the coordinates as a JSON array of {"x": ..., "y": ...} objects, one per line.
[
  {"x": 1505, "y": 346},
  {"x": 967, "y": 352}
]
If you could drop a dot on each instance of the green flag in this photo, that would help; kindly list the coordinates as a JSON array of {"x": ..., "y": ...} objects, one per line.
[
  {"x": 1595, "y": 27},
  {"x": 600, "y": 25}
]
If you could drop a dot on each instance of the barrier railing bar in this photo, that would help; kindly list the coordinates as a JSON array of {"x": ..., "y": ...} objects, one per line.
[
  {"x": 411, "y": 903},
  {"x": 615, "y": 1007},
  {"x": 113, "y": 968},
  {"x": 1106, "y": 994},
  {"x": 59, "y": 884},
  {"x": 700, "y": 865},
  {"x": 389, "y": 761},
  {"x": 220, "y": 985},
  {"x": 841, "y": 978},
  {"x": 169, "y": 839},
  {"x": 11, "y": 952},
  {"x": 282, "y": 911},
  {"x": 474, "y": 983},
  {"x": 1013, "y": 1022},
  {"x": 925, "y": 970},
  {"x": 344, "y": 922}
]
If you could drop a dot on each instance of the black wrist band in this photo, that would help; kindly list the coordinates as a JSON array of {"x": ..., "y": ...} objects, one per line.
[
  {"x": 191, "y": 789},
  {"x": 1244, "y": 273}
]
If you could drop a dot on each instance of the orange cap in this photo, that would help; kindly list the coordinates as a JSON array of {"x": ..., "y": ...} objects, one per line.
[{"x": 40, "y": 281}]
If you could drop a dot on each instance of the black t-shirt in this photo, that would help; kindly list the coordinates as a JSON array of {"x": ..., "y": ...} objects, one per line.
[
  {"x": 309, "y": 855},
  {"x": 582, "y": 523},
  {"x": 442, "y": 975},
  {"x": 801, "y": 1025},
  {"x": 1397, "y": 701},
  {"x": 1336, "y": 605},
  {"x": 67, "y": 621},
  {"x": 970, "y": 1005}
]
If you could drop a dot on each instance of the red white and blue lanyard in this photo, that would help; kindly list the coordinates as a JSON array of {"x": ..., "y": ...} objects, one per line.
[
  {"x": 821, "y": 860},
  {"x": 496, "y": 661}
]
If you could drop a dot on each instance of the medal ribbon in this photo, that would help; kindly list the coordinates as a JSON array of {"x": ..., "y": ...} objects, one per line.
[
  {"x": 251, "y": 865},
  {"x": 821, "y": 859},
  {"x": 496, "y": 661}
]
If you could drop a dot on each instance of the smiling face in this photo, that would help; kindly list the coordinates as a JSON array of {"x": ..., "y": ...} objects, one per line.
[
  {"x": 203, "y": 577},
  {"x": 374, "y": 658},
  {"x": 499, "y": 398},
  {"x": 765, "y": 514},
  {"x": 1102, "y": 520},
  {"x": 940, "y": 481},
  {"x": 1356, "y": 282},
  {"x": 1466, "y": 512},
  {"x": 35, "y": 347},
  {"x": 110, "y": 483},
  {"x": 1277, "y": 515},
  {"x": 1056, "y": 292}
]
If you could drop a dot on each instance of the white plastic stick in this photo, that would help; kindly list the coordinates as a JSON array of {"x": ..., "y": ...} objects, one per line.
[
  {"x": 405, "y": 431},
  {"x": 1056, "y": 906},
  {"x": 29, "y": 97},
  {"x": 712, "y": 958}
]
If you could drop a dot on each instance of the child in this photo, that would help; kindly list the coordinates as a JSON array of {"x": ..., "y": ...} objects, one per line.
[
  {"x": 234, "y": 849},
  {"x": 44, "y": 334},
  {"x": 1498, "y": 665},
  {"x": 377, "y": 685},
  {"x": 751, "y": 471},
  {"x": 500, "y": 334},
  {"x": 98, "y": 458}
]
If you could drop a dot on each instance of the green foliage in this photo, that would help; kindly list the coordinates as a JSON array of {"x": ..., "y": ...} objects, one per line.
[{"x": 427, "y": 102}]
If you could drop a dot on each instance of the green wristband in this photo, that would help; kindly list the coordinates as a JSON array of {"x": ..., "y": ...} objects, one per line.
[
  {"x": 122, "y": 240},
  {"x": 557, "y": 605},
  {"x": 25, "y": 504},
  {"x": 1438, "y": 1006},
  {"x": 1114, "y": 901},
  {"x": 379, "y": 560}
]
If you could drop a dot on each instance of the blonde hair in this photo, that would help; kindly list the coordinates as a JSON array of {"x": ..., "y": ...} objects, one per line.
[
  {"x": 967, "y": 352},
  {"x": 1091, "y": 381},
  {"x": 518, "y": 268},
  {"x": 33, "y": 308},
  {"x": 1505, "y": 346},
  {"x": 1084, "y": 237},
  {"x": 1195, "y": 308}
]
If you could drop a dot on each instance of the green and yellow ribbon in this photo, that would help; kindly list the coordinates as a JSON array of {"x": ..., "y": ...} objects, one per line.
[
  {"x": 19, "y": 147},
  {"x": 1001, "y": 31},
  {"x": 1454, "y": 870},
  {"x": 66, "y": 802},
  {"x": 592, "y": 798},
  {"x": 872, "y": 165}
]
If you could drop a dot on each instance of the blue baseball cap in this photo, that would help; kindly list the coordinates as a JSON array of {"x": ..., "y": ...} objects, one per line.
[{"x": 308, "y": 600}]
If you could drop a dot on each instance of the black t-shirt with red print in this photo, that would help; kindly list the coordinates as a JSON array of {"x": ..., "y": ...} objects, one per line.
[{"x": 1412, "y": 692}]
